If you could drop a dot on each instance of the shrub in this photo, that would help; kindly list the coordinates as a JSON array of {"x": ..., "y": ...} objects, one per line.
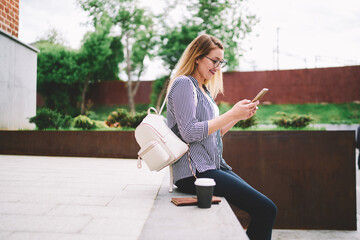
[
  {"x": 122, "y": 118},
  {"x": 65, "y": 122},
  {"x": 136, "y": 120},
  {"x": 292, "y": 120},
  {"x": 84, "y": 122},
  {"x": 247, "y": 123},
  {"x": 100, "y": 124},
  {"x": 46, "y": 118},
  {"x": 118, "y": 118}
]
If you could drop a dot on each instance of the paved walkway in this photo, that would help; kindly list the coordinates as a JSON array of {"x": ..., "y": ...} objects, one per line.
[
  {"x": 74, "y": 198},
  {"x": 57, "y": 198}
]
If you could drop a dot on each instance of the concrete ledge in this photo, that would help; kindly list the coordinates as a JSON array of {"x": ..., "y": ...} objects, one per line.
[{"x": 167, "y": 221}]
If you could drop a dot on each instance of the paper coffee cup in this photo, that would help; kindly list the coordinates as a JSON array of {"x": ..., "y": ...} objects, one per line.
[{"x": 204, "y": 191}]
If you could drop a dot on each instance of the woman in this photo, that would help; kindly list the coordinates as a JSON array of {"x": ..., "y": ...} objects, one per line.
[{"x": 196, "y": 120}]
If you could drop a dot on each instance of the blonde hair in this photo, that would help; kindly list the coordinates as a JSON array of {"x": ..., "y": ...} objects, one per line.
[{"x": 198, "y": 48}]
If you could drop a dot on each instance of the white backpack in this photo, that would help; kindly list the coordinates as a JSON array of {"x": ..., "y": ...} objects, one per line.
[{"x": 160, "y": 147}]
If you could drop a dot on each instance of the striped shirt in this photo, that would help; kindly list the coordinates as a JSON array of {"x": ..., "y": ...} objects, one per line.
[{"x": 189, "y": 120}]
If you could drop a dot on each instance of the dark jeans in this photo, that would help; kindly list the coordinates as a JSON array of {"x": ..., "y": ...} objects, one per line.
[{"x": 239, "y": 193}]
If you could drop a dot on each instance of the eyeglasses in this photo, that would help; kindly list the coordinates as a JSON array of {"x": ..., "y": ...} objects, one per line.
[{"x": 221, "y": 63}]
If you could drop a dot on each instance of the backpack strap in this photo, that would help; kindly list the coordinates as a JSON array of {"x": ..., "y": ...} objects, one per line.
[
  {"x": 167, "y": 94},
  {"x": 163, "y": 104}
]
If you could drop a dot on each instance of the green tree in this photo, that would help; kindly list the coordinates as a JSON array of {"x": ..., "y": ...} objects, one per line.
[
  {"x": 64, "y": 75},
  {"x": 229, "y": 20},
  {"x": 173, "y": 44},
  {"x": 57, "y": 77},
  {"x": 225, "y": 19},
  {"x": 93, "y": 56},
  {"x": 135, "y": 30}
]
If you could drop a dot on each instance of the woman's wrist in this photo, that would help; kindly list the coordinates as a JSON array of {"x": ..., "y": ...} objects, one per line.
[{"x": 232, "y": 115}]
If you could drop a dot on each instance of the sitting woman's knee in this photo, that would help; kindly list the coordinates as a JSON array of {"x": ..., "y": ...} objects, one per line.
[{"x": 271, "y": 209}]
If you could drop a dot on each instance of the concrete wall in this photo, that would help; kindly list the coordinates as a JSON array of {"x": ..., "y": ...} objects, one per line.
[{"x": 18, "y": 63}]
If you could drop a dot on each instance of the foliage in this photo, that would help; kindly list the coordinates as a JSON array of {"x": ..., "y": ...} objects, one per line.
[
  {"x": 101, "y": 112},
  {"x": 344, "y": 113},
  {"x": 94, "y": 8},
  {"x": 66, "y": 122},
  {"x": 143, "y": 44},
  {"x": 122, "y": 118},
  {"x": 247, "y": 123},
  {"x": 57, "y": 77},
  {"x": 157, "y": 86},
  {"x": 117, "y": 118},
  {"x": 137, "y": 119},
  {"x": 142, "y": 33},
  {"x": 100, "y": 125},
  {"x": 65, "y": 74},
  {"x": 47, "y": 118},
  {"x": 94, "y": 55},
  {"x": 84, "y": 122},
  {"x": 228, "y": 20},
  {"x": 135, "y": 29},
  {"x": 95, "y": 49},
  {"x": 292, "y": 120},
  {"x": 174, "y": 42}
]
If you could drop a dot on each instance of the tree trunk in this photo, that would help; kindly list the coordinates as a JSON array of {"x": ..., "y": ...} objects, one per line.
[
  {"x": 138, "y": 81},
  {"x": 128, "y": 72},
  {"x": 163, "y": 91},
  {"x": 162, "y": 95},
  {"x": 83, "y": 96},
  {"x": 140, "y": 71}
]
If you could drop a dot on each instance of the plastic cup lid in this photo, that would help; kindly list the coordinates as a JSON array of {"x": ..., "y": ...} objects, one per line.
[{"x": 205, "y": 182}]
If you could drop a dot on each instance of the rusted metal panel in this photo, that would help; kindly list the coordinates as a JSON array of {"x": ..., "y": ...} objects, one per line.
[
  {"x": 310, "y": 175},
  {"x": 112, "y": 144}
]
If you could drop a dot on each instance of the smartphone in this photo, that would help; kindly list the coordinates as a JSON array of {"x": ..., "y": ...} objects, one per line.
[{"x": 260, "y": 94}]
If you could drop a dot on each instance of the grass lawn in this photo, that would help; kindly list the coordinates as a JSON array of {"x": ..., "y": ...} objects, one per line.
[{"x": 345, "y": 113}]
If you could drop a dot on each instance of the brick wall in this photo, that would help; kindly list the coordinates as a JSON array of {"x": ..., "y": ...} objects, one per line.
[
  {"x": 333, "y": 85},
  {"x": 115, "y": 93},
  {"x": 9, "y": 17}
]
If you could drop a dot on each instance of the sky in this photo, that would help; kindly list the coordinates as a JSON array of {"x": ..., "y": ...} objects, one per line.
[{"x": 291, "y": 34}]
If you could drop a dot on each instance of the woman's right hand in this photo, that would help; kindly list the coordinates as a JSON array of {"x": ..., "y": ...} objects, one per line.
[
  {"x": 240, "y": 111},
  {"x": 244, "y": 109}
]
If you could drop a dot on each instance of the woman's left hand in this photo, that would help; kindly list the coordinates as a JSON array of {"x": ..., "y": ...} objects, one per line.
[{"x": 244, "y": 109}]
